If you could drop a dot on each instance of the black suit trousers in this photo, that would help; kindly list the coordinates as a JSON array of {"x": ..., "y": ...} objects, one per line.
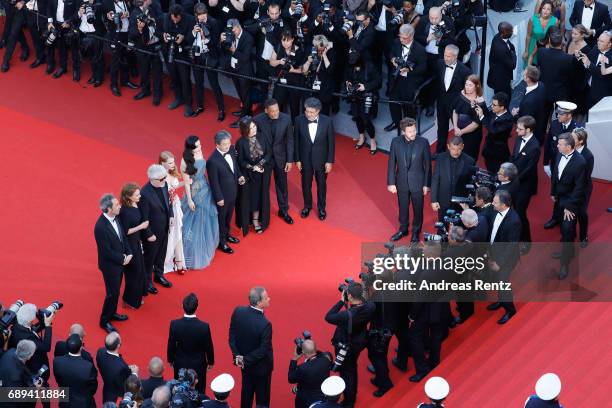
[
  {"x": 381, "y": 366},
  {"x": 243, "y": 88},
  {"x": 148, "y": 66},
  {"x": 155, "y": 256},
  {"x": 112, "y": 282},
  {"x": 15, "y": 26},
  {"x": 62, "y": 47},
  {"x": 182, "y": 82},
  {"x": 402, "y": 89},
  {"x": 523, "y": 199},
  {"x": 418, "y": 334},
  {"x": 280, "y": 185},
  {"x": 321, "y": 178},
  {"x": 348, "y": 372},
  {"x": 258, "y": 386},
  {"x": 224, "y": 215},
  {"x": 443, "y": 117},
  {"x": 289, "y": 97},
  {"x": 583, "y": 217},
  {"x": 213, "y": 79},
  {"x": 404, "y": 199},
  {"x": 119, "y": 61}
]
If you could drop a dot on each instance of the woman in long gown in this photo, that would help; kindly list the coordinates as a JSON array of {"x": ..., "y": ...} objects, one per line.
[
  {"x": 579, "y": 88},
  {"x": 175, "y": 258},
  {"x": 136, "y": 230},
  {"x": 200, "y": 225},
  {"x": 536, "y": 31},
  {"x": 465, "y": 119}
]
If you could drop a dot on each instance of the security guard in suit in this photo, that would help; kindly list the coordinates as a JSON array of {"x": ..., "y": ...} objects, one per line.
[
  {"x": 437, "y": 390},
  {"x": 332, "y": 388},
  {"x": 563, "y": 123},
  {"x": 221, "y": 387},
  {"x": 547, "y": 393}
]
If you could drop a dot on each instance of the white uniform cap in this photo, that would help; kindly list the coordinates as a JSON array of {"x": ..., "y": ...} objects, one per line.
[
  {"x": 222, "y": 384},
  {"x": 333, "y": 386},
  {"x": 437, "y": 388},
  {"x": 548, "y": 387},
  {"x": 566, "y": 107}
]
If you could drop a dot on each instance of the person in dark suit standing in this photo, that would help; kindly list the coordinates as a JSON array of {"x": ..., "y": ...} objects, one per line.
[
  {"x": 499, "y": 123},
  {"x": 451, "y": 76},
  {"x": 598, "y": 64},
  {"x": 525, "y": 156},
  {"x": 224, "y": 176},
  {"x": 568, "y": 191},
  {"x": 113, "y": 254},
  {"x": 563, "y": 124},
  {"x": 156, "y": 377},
  {"x": 502, "y": 60},
  {"x": 452, "y": 172},
  {"x": 533, "y": 102},
  {"x": 593, "y": 15},
  {"x": 190, "y": 343},
  {"x": 61, "y": 348},
  {"x": 409, "y": 176},
  {"x": 315, "y": 146},
  {"x": 504, "y": 252},
  {"x": 155, "y": 207},
  {"x": 580, "y": 139},
  {"x": 507, "y": 176},
  {"x": 113, "y": 368},
  {"x": 276, "y": 127},
  {"x": 80, "y": 375},
  {"x": 309, "y": 375},
  {"x": 250, "y": 339}
]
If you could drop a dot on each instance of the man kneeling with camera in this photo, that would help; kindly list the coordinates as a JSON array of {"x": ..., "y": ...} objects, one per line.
[{"x": 310, "y": 374}]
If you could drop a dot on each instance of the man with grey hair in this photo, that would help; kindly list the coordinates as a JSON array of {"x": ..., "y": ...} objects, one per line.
[
  {"x": 113, "y": 254},
  {"x": 155, "y": 207},
  {"x": 250, "y": 338},
  {"x": 507, "y": 175},
  {"x": 161, "y": 397},
  {"x": 13, "y": 370}
]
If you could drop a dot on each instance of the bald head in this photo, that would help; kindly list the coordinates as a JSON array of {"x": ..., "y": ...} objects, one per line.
[
  {"x": 469, "y": 218},
  {"x": 78, "y": 330},
  {"x": 309, "y": 348},
  {"x": 435, "y": 15},
  {"x": 112, "y": 341},
  {"x": 161, "y": 397},
  {"x": 156, "y": 367}
]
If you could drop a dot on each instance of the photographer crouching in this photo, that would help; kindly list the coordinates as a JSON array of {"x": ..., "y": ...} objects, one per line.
[
  {"x": 350, "y": 336},
  {"x": 310, "y": 374}
]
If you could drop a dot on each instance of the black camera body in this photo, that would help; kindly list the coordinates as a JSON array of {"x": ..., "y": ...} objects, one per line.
[
  {"x": 299, "y": 341},
  {"x": 89, "y": 13},
  {"x": 440, "y": 30},
  {"x": 399, "y": 18},
  {"x": 343, "y": 349},
  {"x": 9, "y": 317},
  {"x": 37, "y": 379},
  {"x": 403, "y": 63},
  {"x": 441, "y": 234},
  {"x": 229, "y": 38}
]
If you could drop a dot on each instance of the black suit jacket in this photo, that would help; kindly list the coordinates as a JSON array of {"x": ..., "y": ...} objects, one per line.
[
  {"x": 190, "y": 344},
  {"x": 601, "y": 85},
  {"x": 526, "y": 161},
  {"x": 480, "y": 232},
  {"x": 557, "y": 70},
  {"x": 223, "y": 182},
  {"x": 43, "y": 346},
  {"x": 498, "y": 133},
  {"x": 314, "y": 155},
  {"x": 110, "y": 248},
  {"x": 250, "y": 336},
  {"x": 114, "y": 372},
  {"x": 590, "y": 163},
  {"x": 150, "y": 384},
  {"x": 409, "y": 172},
  {"x": 61, "y": 350},
  {"x": 309, "y": 376},
  {"x": 512, "y": 188},
  {"x": 570, "y": 189},
  {"x": 14, "y": 373},
  {"x": 422, "y": 32},
  {"x": 415, "y": 77},
  {"x": 441, "y": 188},
  {"x": 505, "y": 249},
  {"x": 243, "y": 54},
  {"x": 80, "y": 376},
  {"x": 601, "y": 18},
  {"x": 502, "y": 62},
  {"x": 364, "y": 43},
  {"x": 447, "y": 98},
  {"x": 153, "y": 209},
  {"x": 534, "y": 104},
  {"x": 281, "y": 141},
  {"x": 550, "y": 146}
]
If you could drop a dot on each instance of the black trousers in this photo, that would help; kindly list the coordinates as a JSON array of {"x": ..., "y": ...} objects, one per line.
[
  {"x": 37, "y": 26},
  {"x": 401, "y": 90},
  {"x": 224, "y": 215},
  {"x": 14, "y": 25},
  {"x": 155, "y": 256},
  {"x": 119, "y": 61},
  {"x": 213, "y": 79},
  {"x": 258, "y": 386},
  {"x": 420, "y": 333},
  {"x": 378, "y": 358},
  {"x": 348, "y": 372},
  {"x": 179, "y": 73},
  {"x": 61, "y": 45},
  {"x": 381, "y": 54},
  {"x": 91, "y": 48},
  {"x": 150, "y": 66},
  {"x": 523, "y": 199},
  {"x": 465, "y": 309},
  {"x": 243, "y": 88},
  {"x": 289, "y": 97},
  {"x": 583, "y": 216},
  {"x": 112, "y": 282},
  {"x": 321, "y": 178},
  {"x": 507, "y": 90},
  {"x": 280, "y": 185},
  {"x": 443, "y": 116},
  {"x": 404, "y": 199}
]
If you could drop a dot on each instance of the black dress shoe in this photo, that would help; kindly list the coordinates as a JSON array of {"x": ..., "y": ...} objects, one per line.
[
  {"x": 24, "y": 55},
  {"x": 37, "y": 63},
  {"x": 5, "y": 67},
  {"x": 226, "y": 249},
  {"x": 286, "y": 217},
  {"x": 359, "y": 146},
  {"x": 131, "y": 85},
  {"x": 175, "y": 104},
  {"x": 372, "y": 370},
  {"x": 584, "y": 242},
  {"x": 189, "y": 113},
  {"x": 97, "y": 83},
  {"x": 237, "y": 113},
  {"x": 461, "y": 320},
  {"x": 395, "y": 362},
  {"x": 142, "y": 94},
  {"x": 59, "y": 73},
  {"x": 91, "y": 81},
  {"x": 417, "y": 377},
  {"x": 156, "y": 100},
  {"x": 119, "y": 317},
  {"x": 233, "y": 240},
  {"x": 322, "y": 215},
  {"x": 50, "y": 69},
  {"x": 76, "y": 76},
  {"x": 506, "y": 317},
  {"x": 115, "y": 91},
  {"x": 152, "y": 290},
  {"x": 381, "y": 391},
  {"x": 198, "y": 110},
  {"x": 390, "y": 127},
  {"x": 2, "y": 44},
  {"x": 398, "y": 235},
  {"x": 162, "y": 281},
  {"x": 494, "y": 306},
  {"x": 415, "y": 238},
  {"x": 305, "y": 213},
  {"x": 221, "y": 116},
  {"x": 109, "y": 328},
  {"x": 234, "y": 125},
  {"x": 563, "y": 272},
  {"x": 550, "y": 223}
]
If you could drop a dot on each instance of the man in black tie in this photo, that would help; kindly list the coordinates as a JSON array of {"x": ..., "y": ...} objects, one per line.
[
  {"x": 250, "y": 339},
  {"x": 113, "y": 254},
  {"x": 502, "y": 60},
  {"x": 409, "y": 176},
  {"x": 533, "y": 102},
  {"x": 594, "y": 16},
  {"x": 499, "y": 123},
  {"x": 525, "y": 156},
  {"x": 507, "y": 176},
  {"x": 563, "y": 124},
  {"x": 224, "y": 176},
  {"x": 61, "y": 349},
  {"x": 504, "y": 252},
  {"x": 78, "y": 374},
  {"x": 568, "y": 188},
  {"x": 276, "y": 127},
  {"x": 155, "y": 207},
  {"x": 113, "y": 368},
  {"x": 580, "y": 138},
  {"x": 597, "y": 63},
  {"x": 190, "y": 343},
  {"x": 315, "y": 147}
]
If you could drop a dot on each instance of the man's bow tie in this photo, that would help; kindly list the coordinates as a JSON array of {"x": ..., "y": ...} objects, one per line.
[
  {"x": 226, "y": 154},
  {"x": 568, "y": 156},
  {"x": 313, "y": 121},
  {"x": 450, "y": 66},
  {"x": 588, "y": 7}
]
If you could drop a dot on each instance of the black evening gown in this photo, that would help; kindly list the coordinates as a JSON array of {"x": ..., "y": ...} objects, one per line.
[
  {"x": 135, "y": 279},
  {"x": 466, "y": 115}
]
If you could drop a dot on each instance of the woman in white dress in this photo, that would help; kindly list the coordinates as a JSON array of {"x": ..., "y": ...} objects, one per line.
[{"x": 175, "y": 259}]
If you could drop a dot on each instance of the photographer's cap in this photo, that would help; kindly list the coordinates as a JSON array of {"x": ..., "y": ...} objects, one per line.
[
  {"x": 333, "y": 386},
  {"x": 222, "y": 384},
  {"x": 437, "y": 388},
  {"x": 548, "y": 387},
  {"x": 565, "y": 107}
]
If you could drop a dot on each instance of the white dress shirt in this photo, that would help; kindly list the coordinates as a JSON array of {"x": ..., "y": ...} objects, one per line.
[
  {"x": 228, "y": 158},
  {"x": 121, "y": 7},
  {"x": 580, "y": 149},
  {"x": 587, "y": 16},
  {"x": 382, "y": 20},
  {"x": 563, "y": 162},
  {"x": 85, "y": 27},
  {"x": 530, "y": 88},
  {"x": 448, "y": 75},
  {"x": 524, "y": 140},
  {"x": 113, "y": 222},
  {"x": 498, "y": 220},
  {"x": 59, "y": 14},
  {"x": 432, "y": 47},
  {"x": 312, "y": 129}
]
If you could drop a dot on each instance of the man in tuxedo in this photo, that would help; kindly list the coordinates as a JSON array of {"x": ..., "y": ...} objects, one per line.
[
  {"x": 276, "y": 127},
  {"x": 568, "y": 191},
  {"x": 61, "y": 16},
  {"x": 78, "y": 374},
  {"x": 113, "y": 368},
  {"x": 156, "y": 377},
  {"x": 502, "y": 60},
  {"x": 224, "y": 176},
  {"x": 499, "y": 123},
  {"x": 309, "y": 375},
  {"x": 155, "y": 207},
  {"x": 563, "y": 124},
  {"x": 250, "y": 339},
  {"x": 453, "y": 171},
  {"x": 315, "y": 146},
  {"x": 594, "y": 16},
  {"x": 451, "y": 75},
  {"x": 13, "y": 369},
  {"x": 580, "y": 139},
  {"x": 533, "y": 102},
  {"x": 504, "y": 252},
  {"x": 507, "y": 176},
  {"x": 525, "y": 156},
  {"x": 600, "y": 56},
  {"x": 190, "y": 343},
  {"x": 113, "y": 254},
  {"x": 61, "y": 347},
  {"x": 409, "y": 176},
  {"x": 403, "y": 86}
]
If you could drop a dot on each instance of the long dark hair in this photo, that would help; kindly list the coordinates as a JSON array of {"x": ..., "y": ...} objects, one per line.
[{"x": 190, "y": 144}]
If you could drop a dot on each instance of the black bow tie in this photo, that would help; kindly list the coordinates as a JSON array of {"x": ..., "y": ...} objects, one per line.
[
  {"x": 313, "y": 121},
  {"x": 500, "y": 213},
  {"x": 568, "y": 156},
  {"x": 588, "y": 7},
  {"x": 226, "y": 154},
  {"x": 450, "y": 66}
]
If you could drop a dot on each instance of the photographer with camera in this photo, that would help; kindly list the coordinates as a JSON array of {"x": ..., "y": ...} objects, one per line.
[
  {"x": 72, "y": 370},
  {"x": 14, "y": 21},
  {"x": 498, "y": 122},
  {"x": 361, "y": 35},
  {"x": 319, "y": 70},
  {"x": 205, "y": 51},
  {"x": 459, "y": 247},
  {"x": 351, "y": 335},
  {"x": 91, "y": 22},
  {"x": 267, "y": 32},
  {"x": 14, "y": 371},
  {"x": 310, "y": 374},
  {"x": 507, "y": 176},
  {"x": 286, "y": 62},
  {"x": 59, "y": 34}
]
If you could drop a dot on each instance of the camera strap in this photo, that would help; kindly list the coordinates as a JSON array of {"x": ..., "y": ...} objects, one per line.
[{"x": 350, "y": 326}]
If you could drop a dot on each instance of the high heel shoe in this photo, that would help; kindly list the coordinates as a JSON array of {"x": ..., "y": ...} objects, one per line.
[
  {"x": 359, "y": 146},
  {"x": 373, "y": 151},
  {"x": 258, "y": 228},
  {"x": 180, "y": 271}
]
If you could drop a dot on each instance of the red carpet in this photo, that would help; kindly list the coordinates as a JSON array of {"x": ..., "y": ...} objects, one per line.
[{"x": 65, "y": 146}]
